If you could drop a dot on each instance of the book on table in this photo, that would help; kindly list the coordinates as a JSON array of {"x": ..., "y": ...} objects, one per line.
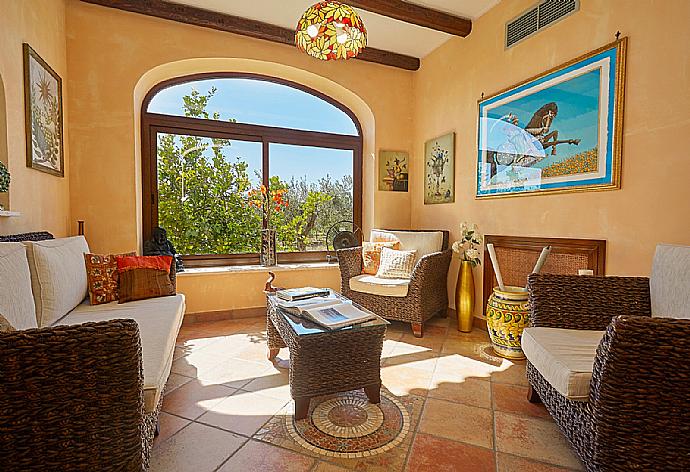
[
  {"x": 302, "y": 293},
  {"x": 329, "y": 312}
]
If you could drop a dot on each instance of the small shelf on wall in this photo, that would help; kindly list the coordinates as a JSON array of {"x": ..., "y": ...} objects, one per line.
[{"x": 7, "y": 213}]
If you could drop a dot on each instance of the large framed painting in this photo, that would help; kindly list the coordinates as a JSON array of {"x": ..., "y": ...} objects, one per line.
[
  {"x": 439, "y": 170},
  {"x": 558, "y": 132},
  {"x": 393, "y": 171},
  {"x": 43, "y": 110}
]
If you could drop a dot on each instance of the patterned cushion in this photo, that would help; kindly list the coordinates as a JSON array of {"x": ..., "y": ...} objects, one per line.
[
  {"x": 102, "y": 277},
  {"x": 144, "y": 277},
  {"x": 396, "y": 264},
  {"x": 424, "y": 242},
  {"x": 371, "y": 255},
  {"x": 5, "y": 325}
]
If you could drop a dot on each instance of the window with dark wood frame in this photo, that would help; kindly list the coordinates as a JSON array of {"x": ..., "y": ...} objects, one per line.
[{"x": 153, "y": 123}]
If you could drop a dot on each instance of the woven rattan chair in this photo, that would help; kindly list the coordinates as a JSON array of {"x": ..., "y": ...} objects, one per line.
[
  {"x": 71, "y": 398},
  {"x": 427, "y": 293},
  {"x": 637, "y": 413}
]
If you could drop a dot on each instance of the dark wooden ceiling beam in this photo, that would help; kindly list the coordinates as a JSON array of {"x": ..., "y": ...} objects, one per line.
[
  {"x": 417, "y": 15},
  {"x": 242, "y": 26}
]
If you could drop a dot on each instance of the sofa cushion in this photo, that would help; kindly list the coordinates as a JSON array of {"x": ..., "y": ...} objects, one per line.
[
  {"x": 376, "y": 286},
  {"x": 564, "y": 357},
  {"x": 396, "y": 264},
  {"x": 371, "y": 255},
  {"x": 16, "y": 300},
  {"x": 143, "y": 277},
  {"x": 58, "y": 276},
  {"x": 424, "y": 242},
  {"x": 102, "y": 277},
  {"x": 159, "y": 321},
  {"x": 669, "y": 282}
]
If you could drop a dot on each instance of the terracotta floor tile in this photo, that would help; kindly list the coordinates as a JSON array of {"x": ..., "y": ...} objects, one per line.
[
  {"x": 326, "y": 467},
  {"x": 175, "y": 381},
  {"x": 458, "y": 422},
  {"x": 510, "y": 463},
  {"x": 194, "y": 398},
  {"x": 535, "y": 438},
  {"x": 196, "y": 448},
  {"x": 416, "y": 358},
  {"x": 458, "y": 365},
  {"x": 456, "y": 388},
  {"x": 234, "y": 372},
  {"x": 402, "y": 380},
  {"x": 275, "y": 384},
  {"x": 169, "y": 425},
  {"x": 513, "y": 399},
  {"x": 510, "y": 372},
  {"x": 243, "y": 412},
  {"x": 258, "y": 456},
  {"x": 441, "y": 455}
]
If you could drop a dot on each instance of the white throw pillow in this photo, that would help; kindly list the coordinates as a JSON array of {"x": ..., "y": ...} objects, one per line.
[
  {"x": 424, "y": 242},
  {"x": 58, "y": 276},
  {"x": 396, "y": 264},
  {"x": 669, "y": 282},
  {"x": 16, "y": 300}
]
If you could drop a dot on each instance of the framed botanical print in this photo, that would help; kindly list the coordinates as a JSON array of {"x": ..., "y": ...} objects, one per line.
[
  {"x": 558, "y": 132},
  {"x": 439, "y": 170},
  {"x": 43, "y": 115},
  {"x": 393, "y": 171}
]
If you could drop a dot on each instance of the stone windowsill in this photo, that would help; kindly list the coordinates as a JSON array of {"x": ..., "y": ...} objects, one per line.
[{"x": 257, "y": 268}]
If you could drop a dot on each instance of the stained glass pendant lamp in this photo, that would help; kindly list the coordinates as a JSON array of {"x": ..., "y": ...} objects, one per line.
[{"x": 331, "y": 30}]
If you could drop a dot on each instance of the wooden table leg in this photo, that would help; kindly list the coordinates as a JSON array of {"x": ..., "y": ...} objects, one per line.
[
  {"x": 301, "y": 407},
  {"x": 373, "y": 392},
  {"x": 272, "y": 353},
  {"x": 417, "y": 330}
]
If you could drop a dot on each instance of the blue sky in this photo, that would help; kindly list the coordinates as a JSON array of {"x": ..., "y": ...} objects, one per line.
[
  {"x": 578, "y": 105},
  {"x": 267, "y": 103}
]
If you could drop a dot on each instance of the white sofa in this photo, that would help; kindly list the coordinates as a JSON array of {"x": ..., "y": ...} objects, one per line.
[{"x": 43, "y": 287}]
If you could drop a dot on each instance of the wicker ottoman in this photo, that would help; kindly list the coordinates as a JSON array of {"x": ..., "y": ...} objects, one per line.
[{"x": 326, "y": 361}]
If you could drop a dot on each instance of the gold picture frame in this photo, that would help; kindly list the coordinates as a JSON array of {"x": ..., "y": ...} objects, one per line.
[{"x": 519, "y": 129}]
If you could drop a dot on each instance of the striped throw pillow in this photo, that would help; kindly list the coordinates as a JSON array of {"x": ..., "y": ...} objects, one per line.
[{"x": 396, "y": 264}]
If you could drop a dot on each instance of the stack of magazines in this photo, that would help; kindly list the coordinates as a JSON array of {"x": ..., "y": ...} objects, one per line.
[{"x": 328, "y": 311}]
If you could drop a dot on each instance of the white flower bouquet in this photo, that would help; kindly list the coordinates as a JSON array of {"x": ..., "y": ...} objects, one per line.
[{"x": 467, "y": 247}]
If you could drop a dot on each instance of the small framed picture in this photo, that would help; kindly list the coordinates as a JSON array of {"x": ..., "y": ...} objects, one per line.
[
  {"x": 43, "y": 114},
  {"x": 439, "y": 170},
  {"x": 393, "y": 171}
]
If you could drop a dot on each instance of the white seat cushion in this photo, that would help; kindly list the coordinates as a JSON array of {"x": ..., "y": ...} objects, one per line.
[
  {"x": 16, "y": 299},
  {"x": 58, "y": 276},
  {"x": 564, "y": 357},
  {"x": 669, "y": 282},
  {"x": 376, "y": 286},
  {"x": 159, "y": 321},
  {"x": 424, "y": 242}
]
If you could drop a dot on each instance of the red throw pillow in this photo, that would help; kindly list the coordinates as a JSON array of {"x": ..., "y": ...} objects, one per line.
[
  {"x": 102, "y": 277},
  {"x": 144, "y": 277}
]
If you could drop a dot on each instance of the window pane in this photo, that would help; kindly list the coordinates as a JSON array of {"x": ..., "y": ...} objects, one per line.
[
  {"x": 318, "y": 185},
  {"x": 255, "y": 102},
  {"x": 202, "y": 188}
]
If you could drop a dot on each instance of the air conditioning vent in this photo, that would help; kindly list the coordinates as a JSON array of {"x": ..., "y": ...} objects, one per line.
[{"x": 538, "y": 17}]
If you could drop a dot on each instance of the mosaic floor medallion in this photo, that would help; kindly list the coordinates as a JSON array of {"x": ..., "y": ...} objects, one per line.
[{"x": 347, "y": 425}]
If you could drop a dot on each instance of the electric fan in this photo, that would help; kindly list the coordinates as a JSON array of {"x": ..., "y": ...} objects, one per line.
[{"x": 341, "y": 235}]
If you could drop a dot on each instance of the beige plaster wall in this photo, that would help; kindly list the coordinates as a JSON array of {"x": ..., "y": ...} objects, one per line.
[
  {"x": 653, "y": 205},
  {"x": 42, "y": 199}
]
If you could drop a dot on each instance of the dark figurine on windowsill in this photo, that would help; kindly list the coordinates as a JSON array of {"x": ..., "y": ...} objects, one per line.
[{"x": 159, "y": 245}]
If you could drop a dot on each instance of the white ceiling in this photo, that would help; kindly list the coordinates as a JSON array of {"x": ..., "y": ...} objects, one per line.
[{"x": 383, "y": 33}]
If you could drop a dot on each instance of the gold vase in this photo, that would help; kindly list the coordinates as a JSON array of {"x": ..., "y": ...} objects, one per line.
[{"x": 464, "y": 297}]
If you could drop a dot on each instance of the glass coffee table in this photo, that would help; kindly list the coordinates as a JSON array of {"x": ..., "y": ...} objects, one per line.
[{"x": 324, "y": 361}]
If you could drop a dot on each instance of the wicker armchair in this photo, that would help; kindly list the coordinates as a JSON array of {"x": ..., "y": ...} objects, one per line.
[
  {"x": 427, "y": 293},
  {"x": 636, "y": 416},
  {"x": 64, "y": 408}
]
